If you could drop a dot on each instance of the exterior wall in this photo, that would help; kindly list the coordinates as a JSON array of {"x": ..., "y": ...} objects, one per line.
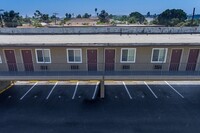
[{"x": 59, "y": 58}]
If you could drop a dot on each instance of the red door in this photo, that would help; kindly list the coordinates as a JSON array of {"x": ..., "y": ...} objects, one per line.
[
  {"x": 10, "y": 58},
  {"x": 109, "y": 59},
  {"x": 92, "y": 59},
  {"x": 27, "y": 59},
  {"x": 175, "y": 59},
  {"x": 192, "y": 60}
]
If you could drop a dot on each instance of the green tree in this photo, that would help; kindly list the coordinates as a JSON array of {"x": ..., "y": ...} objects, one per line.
[
  {"x": 27, "y": 20},
  {"x": 86, "y": 15},
  {"x": 132, "y": 20},
  {"x": 41, "y": 17},
  {"x": 172, "y": 17},
  {"x": 138, "y": 17},
  {"x": 53, "y": 17},
  {"x": 148, "y": 14},
  {"x": 45, "y": 18},
  {"x": 103, "y": 17},
  {"x": 78, "y": 16},
  {"x": 11, "y": 19},
  {"x": 154, "y": 22},
  {"x": 111, "y": 16},
  {"x": 123, "y": 18},
  {"x": 37, "y": 14},
  {"x": 68, "y": 16}
]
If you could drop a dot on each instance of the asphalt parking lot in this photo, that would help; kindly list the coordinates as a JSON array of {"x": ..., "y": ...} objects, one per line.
[{"x": 75, "y": 106}]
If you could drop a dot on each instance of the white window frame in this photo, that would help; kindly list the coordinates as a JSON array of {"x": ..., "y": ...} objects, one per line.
[
  {"x": 0, "y": 59},
  {"x": 74, "y": 55},
  {"x": 158, "y": 55},
  {"x": 43, "y": 55},
  {"x": 128, "y": 61}
]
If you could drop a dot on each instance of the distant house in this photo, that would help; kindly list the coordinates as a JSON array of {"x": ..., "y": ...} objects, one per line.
[{"x": 81, "y": 22}]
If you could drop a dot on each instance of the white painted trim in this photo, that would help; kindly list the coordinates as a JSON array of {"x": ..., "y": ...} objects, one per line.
[
  {"x": 43, "y": 55},
  {"x": 74, "y": 56},
  {"x": 151, "y": 90},
  {"x": 159, "y": 52},
  {"x": 128, "y": 61},
  {"x": 75, "y": 90},
  {"x": 174, "y": 89},
  {"x": 127, "y": 90},
  {"x": 51, "y": 91},
  {"x": 28, "y": 91},
  {"x": 95, "y": 90}
]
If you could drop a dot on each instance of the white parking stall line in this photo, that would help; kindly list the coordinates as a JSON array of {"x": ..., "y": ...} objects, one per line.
[
  {"x": 28, "y": 91},
  {"x": 174, "y": 89},
  {"x": 75, "y": 90},
  {"x": 127, "y": 90},
  {"x": 51, "y": 91},
  {"x": 150, "y": 89},
  {"x": 95, "y": 91}
]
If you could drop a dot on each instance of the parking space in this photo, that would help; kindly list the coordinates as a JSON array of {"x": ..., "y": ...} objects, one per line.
[
  {"x": 40, "y": 91},
  {"x": 37, "y": 91},
  {"x": 189, "y": 89},
  {"x": 115, "y": 90},
  {"x": 14, "y": 93},
  {"x": 139, "y": 90},
  {"x": 62, "y": 92},
  {"x": 164, "y": 90},
  {"x": 85, "y": 90}
]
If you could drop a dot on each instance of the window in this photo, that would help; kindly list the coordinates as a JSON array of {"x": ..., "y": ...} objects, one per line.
[
  {"x": 128, "y": 55},
  {"x": 159, "y": 55},
  {"x": 43, "y": 55},
  {"x": 0, "y": 59},
  {"x": 74, "y": 56}
]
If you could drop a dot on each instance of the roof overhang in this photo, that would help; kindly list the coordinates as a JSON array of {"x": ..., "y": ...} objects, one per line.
[{"x": 100, "y": 40}]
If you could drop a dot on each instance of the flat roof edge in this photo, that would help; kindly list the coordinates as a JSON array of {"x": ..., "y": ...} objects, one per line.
[
  {"x": 95, "y": 44},
  {"x": 100, "y": 30}
]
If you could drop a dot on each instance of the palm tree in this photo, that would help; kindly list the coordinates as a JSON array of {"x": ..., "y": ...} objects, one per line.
[{"x": 96, "y": 11}]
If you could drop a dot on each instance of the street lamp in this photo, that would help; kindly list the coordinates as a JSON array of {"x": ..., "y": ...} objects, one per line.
[{"x": 1, "y": 15}]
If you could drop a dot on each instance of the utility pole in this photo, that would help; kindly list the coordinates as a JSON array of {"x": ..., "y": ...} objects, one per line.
[
  {"x": 1, "y": 15},
  {"x": 192, "y": 17},
  {"x": 55, "y": 14}
]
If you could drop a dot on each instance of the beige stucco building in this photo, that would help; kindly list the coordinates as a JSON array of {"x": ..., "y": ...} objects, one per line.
[{"x": 109, "y": 53}]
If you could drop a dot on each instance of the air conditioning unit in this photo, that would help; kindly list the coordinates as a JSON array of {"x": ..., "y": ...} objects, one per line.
[
  {"x": 157, "y": 67},
  {"x": 43, "y": 67},
  {"x": 74, "y": 67},
  {"x": 126, "y": 67}
]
